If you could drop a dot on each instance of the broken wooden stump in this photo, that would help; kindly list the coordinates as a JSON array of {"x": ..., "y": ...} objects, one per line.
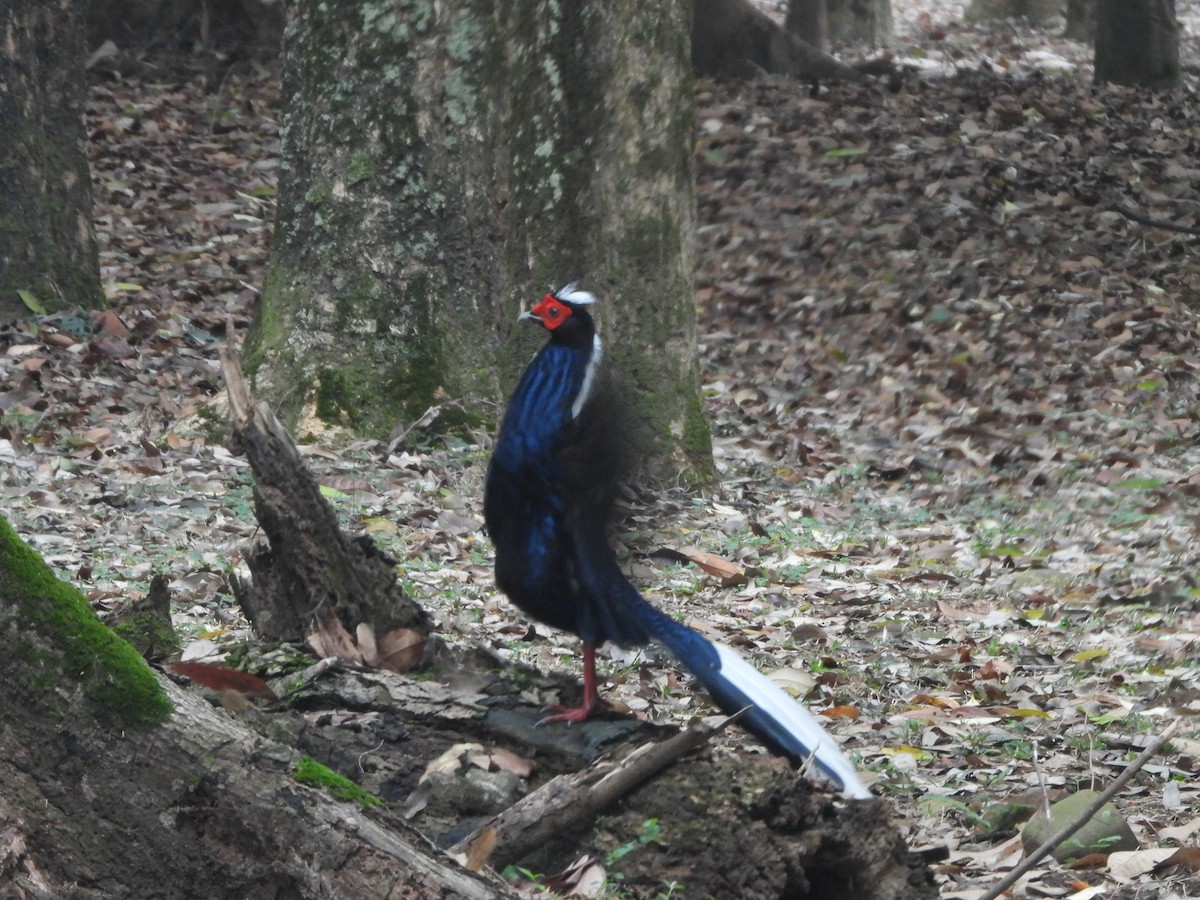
[{"x": 307, "y": 562}]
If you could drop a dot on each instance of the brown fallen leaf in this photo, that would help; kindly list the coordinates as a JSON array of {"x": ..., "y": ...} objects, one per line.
[
  {"x": 480, "y": 761},
  {"x": 57, "y": 339},
  {"x": 583, "y": 878},
  {"x": 954, "y": 613},
  {"x": 364, "y": 637},
  {"x": 1186, "y": 858},
  {"x": 450, "y": 761},
  {"x": 222, "y": 679},
  {"x": 481, "y": 849},
  {"x": 97, "y": 435},
  {"x": 931, "y": 700},
  {"x": 841, "y": 712},
  {"x": 508, "y": 761},
  {"x": 332, "y": 639},
  {"x": 109, "y": 322},
  {"x": 399, "y": 651},
  {"x": 730, "y": 573}
]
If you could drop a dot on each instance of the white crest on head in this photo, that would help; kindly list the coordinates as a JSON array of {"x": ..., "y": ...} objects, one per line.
[{"x": 570, "y": 293}]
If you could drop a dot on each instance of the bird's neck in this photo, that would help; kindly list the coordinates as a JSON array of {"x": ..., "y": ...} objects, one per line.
[
  {"x": 551, "y": 394},
  {"x": 588, "y": 384}
]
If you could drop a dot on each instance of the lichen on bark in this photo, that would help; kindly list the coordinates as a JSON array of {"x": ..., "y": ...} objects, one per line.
[{"x": 444, "y": 164}]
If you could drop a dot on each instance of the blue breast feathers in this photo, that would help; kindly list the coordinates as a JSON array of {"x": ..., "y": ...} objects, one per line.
[{"x": 539, "y": 414}]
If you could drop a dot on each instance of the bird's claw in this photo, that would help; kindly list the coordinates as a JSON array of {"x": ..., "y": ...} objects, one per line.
[{"x": 568, "y": 714}]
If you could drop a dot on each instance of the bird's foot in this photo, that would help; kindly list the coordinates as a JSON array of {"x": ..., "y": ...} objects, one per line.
[
  {"x": 591, "y": 696},
  {"x": 569, "y": 714}
]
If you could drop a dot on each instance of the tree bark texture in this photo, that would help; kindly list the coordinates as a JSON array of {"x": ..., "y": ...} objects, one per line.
[
  {"x": 1137, "y": 43},
  {"x": 202, "y": 807},
  {"x": 860, "y": 22},
  {"x": 118, "y": 785},
  {"x": 444, "y": 165},
  {"x": 47, "y": 245}
]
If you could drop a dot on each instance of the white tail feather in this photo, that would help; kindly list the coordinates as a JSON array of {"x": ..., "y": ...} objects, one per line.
[{"x": 771, "y": 699}]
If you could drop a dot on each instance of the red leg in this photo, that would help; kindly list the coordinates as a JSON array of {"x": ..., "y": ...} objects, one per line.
[{"x": 591, "y": 696}]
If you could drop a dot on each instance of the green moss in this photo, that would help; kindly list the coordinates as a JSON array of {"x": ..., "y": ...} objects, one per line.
[
  {"x": 335, "y": 398},
  {"x": 362, "y": 167},
  {"x": 213, "y": 425},
  {"x": 72, "y": 647},
  {"x": 308, "y": 771},
  {"x": 269, "y": 328},
  {"x": 148, "y": 634},
  {"x": 697, "y": 441}
]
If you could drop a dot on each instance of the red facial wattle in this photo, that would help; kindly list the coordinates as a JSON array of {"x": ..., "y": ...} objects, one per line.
[{"x": 551, "y": 312}]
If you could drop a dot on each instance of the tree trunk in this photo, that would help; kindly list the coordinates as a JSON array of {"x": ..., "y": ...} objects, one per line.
[
  {"x": 117, "y": 785},
  {"x": 1081, "y": 21},
  {"x": 809, "y": 21},
  {"x": 47, "y": 247},
  {"x": 860, "y": 22},
  {"x": 235, "y": 27},
  {"x": 735, "y": 39},
  {"x": 1033, "y": 12},
  {"x": 443, "y": 166},
  {"x": 1137, "y": 43}
]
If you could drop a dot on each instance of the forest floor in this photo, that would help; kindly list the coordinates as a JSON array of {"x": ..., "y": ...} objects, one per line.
[{"x": 953, "y": 379}]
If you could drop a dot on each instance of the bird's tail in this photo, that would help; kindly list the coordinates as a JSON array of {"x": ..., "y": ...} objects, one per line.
[
  {"x": 618, "y": 612},
  {"x": 775, "y": 718}
]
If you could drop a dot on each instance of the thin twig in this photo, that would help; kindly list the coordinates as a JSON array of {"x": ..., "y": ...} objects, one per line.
[
  {"x": 1130, "y": 213},
  {"x": 1085, "y": 816}
]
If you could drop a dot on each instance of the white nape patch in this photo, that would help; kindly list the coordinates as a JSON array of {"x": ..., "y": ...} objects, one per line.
[
  {"x": 770, "y": 698},
  {"x": 570, "y": 293},
  {"x": 589, "y": 376}
]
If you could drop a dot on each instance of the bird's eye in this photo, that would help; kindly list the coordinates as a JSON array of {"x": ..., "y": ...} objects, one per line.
[{"x": 554, "y": 312}]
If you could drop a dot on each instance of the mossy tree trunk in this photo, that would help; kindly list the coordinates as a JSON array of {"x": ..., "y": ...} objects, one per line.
[
  {"x": 47, "y": 247},
  {"x": 117, "y": 784},
  {"x": 446, "y": 164},
  {"x": 1137, "y": 43}
]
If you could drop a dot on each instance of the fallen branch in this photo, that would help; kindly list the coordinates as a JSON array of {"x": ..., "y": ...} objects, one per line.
[
  {"x": 570, "y": 801},
  {"x": 1085, "y": 816},
  {"x": 1130, "y": 213}
]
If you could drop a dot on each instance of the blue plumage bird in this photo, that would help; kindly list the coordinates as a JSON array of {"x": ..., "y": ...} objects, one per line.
[{"x": 548, "y": 500}]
